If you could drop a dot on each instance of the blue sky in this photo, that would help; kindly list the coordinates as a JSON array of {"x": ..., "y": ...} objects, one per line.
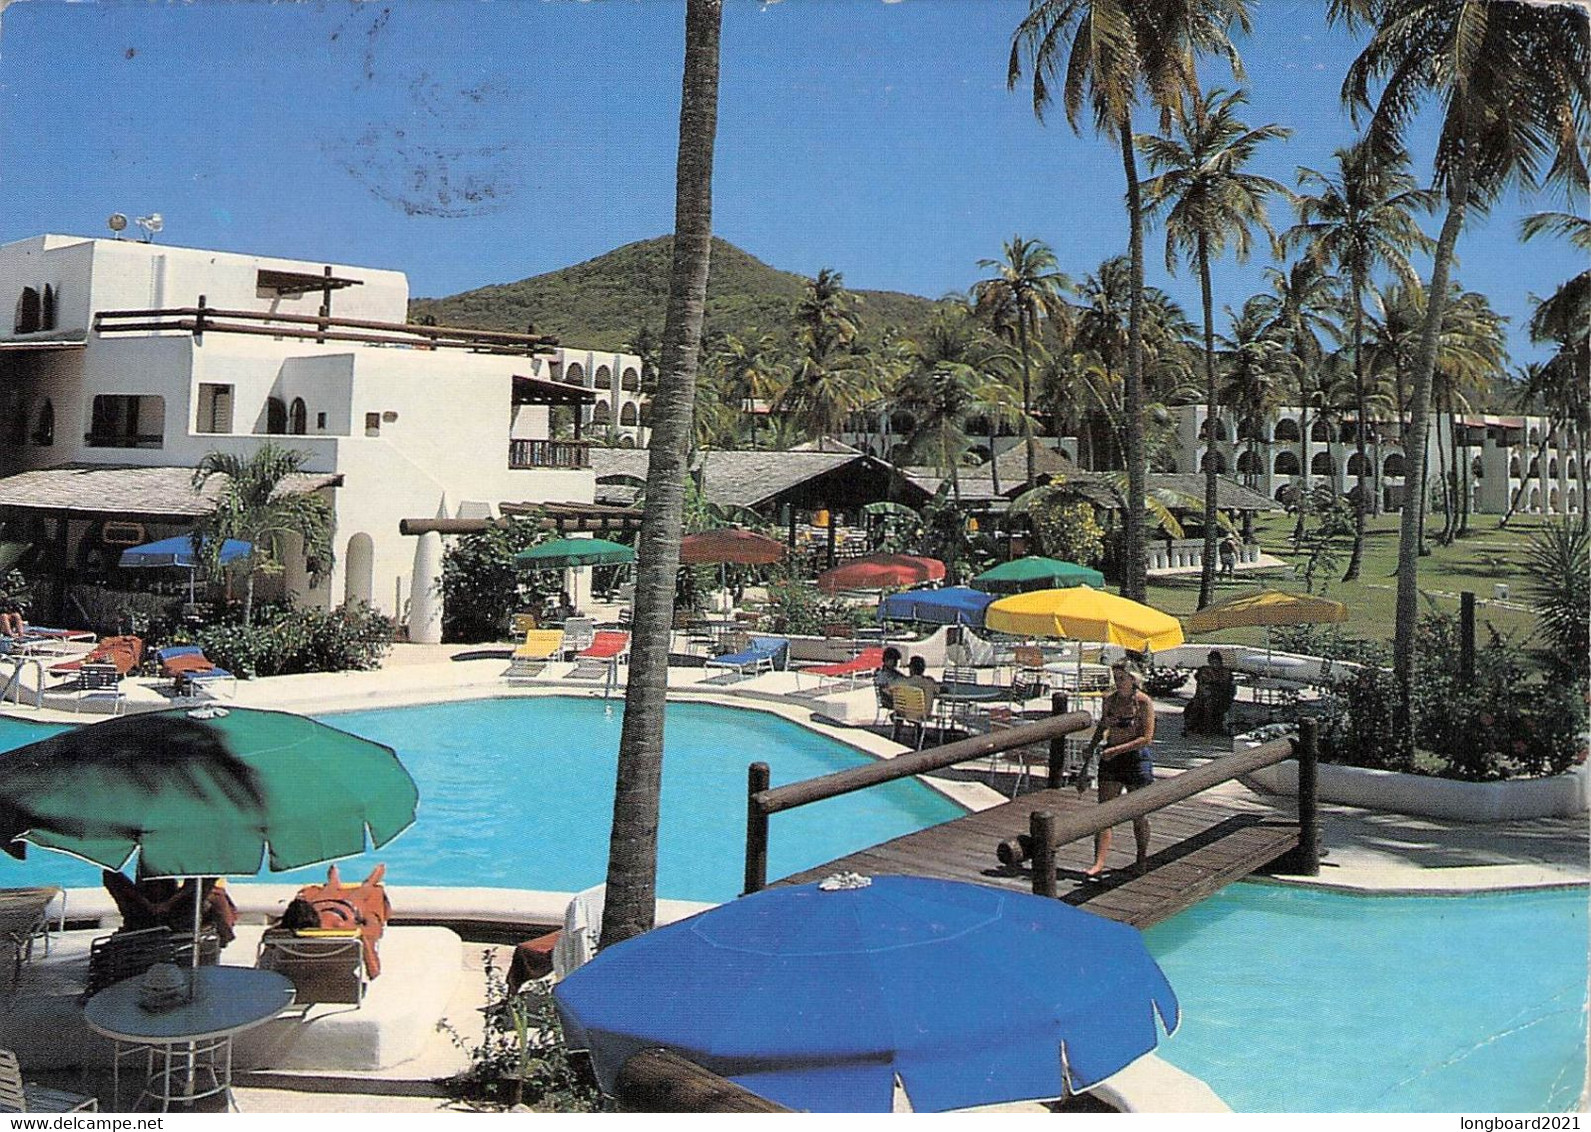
[{"x": 468, "y": 143}]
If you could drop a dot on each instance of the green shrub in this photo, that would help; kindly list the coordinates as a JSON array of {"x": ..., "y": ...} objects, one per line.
[
  {"x": 482, "y": 587},
  {"x": 521, "y": 1057},
  {"x": 803, "y": 610},
  {"x": 285, "y": 641},
  {"x": 1068, "y": 531}
]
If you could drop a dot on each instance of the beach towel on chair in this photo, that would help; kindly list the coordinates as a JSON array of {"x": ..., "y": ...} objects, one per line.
[{"x": 336, "y": 904}]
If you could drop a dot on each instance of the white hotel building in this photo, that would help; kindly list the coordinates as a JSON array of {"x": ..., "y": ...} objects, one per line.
[
  {"x": 122, "y": 363},
  {"x": 1504, "y": 453}
]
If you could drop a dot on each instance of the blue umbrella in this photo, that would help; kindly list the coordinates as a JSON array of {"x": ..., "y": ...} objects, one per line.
[
  {"x": 178, "y": 551},
  {"x": 953, "y": 605},
  {"x": 818, "y": 997}
]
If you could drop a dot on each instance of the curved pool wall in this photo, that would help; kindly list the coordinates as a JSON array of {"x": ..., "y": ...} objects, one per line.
[
  {"x": 518, "y": 793},
  {"x": 1304, "y": 1000}
]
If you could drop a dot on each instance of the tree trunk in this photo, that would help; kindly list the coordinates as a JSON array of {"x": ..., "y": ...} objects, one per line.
[
  {"x": 1212, "y": 417},
  {"x": 1027, "y": 402},
  {"x": 1133, "y": 581},
  {"x": 632, "y": 849},
  {"x": 1408, "y": 601},
  {"x": 994, "y": 466},
  {"x": 1441, "y": 472},
  {"x": 248, "y": 594},
  {"x": 1356, "y": 557}
]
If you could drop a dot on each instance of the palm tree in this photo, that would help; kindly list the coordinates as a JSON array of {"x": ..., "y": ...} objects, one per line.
[
  {"x": 1469, "y": 356},
  {"x": 1564, "y": 319},
  {"x": 1103, "y": 52},
  {"x": 1027, "y": 289},
  {"x": 1300, "y": 302},
  {"x": 1514, "y": 82},
  {"x": 830, "y": 376},
  {"x": 256, "y": 505},
  {"x": 632, "y": 847},
  {"x": 1208, "y": 201},
  {"x": 1255, "y": 371},
  {"x": 1361, "y": 218}
]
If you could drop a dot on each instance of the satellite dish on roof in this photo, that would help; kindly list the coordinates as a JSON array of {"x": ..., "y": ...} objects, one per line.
[
  {"x": 151, "y": 224},
  {"x": 116, "y": 223}
]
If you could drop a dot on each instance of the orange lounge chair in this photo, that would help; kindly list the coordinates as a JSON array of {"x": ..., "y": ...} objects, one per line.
[
  {"x": 864, "y": 663},
  {"x": 126, "y": 653}
]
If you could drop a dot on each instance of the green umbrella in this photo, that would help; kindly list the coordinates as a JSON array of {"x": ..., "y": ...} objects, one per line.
[
  {"x": 1034, "y": 573},
  {"x": 562, "y": 553},
  {"x": 204, "y": 794}
]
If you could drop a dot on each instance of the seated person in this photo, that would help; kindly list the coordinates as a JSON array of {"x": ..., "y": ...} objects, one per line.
[
  {"x": 1214, "y": 691},
  {"x": 163, "y": 902},
  {"x": 12, "y": 625},
  {"x": 919, "y": 678},
  {"x": 888, "y": 672}
]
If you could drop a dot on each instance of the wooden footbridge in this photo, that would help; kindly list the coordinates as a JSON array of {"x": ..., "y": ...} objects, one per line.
[{"x": 1042, "y": 841}]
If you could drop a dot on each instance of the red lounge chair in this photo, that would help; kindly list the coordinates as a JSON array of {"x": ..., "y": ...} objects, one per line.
[
  {"x": 864, "y": 663},
  {"x": 608, "y": 648}
]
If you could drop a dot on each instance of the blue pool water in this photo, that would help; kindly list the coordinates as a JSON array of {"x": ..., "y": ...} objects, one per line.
[
  {"x": 1292, "y": 999},
  {"x": 1297, "y": 1000},
  {"x": 518, "y": 793}
]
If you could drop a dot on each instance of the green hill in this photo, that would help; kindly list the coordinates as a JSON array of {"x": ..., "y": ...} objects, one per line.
[{"x": 601, "y": 303}]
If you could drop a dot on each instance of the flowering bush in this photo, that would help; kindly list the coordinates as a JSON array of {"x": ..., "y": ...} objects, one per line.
[{"x": 283, "y": 641}]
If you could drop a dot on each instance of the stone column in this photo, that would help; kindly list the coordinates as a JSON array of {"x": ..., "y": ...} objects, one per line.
[{"x": 425, "y": 596}]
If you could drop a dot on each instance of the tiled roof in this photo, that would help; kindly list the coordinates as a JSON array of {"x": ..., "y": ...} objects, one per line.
[
  {"x": 733, "y": 479},
  {"x": 122, "y": 489}
]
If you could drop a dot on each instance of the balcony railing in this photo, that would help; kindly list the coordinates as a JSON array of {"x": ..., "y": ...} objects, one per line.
[{"x": 549, "y": 454}]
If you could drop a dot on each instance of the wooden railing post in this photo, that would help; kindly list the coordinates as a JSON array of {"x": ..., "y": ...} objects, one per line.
[
  {"x": 1041, "y": 826},
  {"x": 1308, "y": 798},
  {"x": 1466, "y": 637},
  {"x": 1057, "y": 742},
  {"x": 757, "y": 779},
  {"x": 198, "y": 324}
]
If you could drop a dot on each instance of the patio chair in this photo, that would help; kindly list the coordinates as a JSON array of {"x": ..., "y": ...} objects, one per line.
[
  {"x": 189, "y": 669},
  {"x": 125, "y": 653},
  {"x": 125, "y": 954},
  {"x": 24, "y": 918},
  {"x": 910, "y": 710},
  {"x": 602, "y": 656},
  {"x": 17, "y": 1095},
  {"x": 99, "y": 683},
  {"x": 762, "y": 654},
  {"x": 578, "y": 633},
  {"x": 323, "y": 964},
  {"x": 541, "y": 646},
  {"x": 522, "y": 623}
]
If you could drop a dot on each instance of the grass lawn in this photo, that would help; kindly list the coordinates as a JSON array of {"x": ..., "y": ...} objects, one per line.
[{"x": 1477, "y": 562}]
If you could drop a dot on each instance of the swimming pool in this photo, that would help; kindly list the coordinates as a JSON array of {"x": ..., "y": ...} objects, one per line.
[
  {"x": 518, "y": 793},
  {"x": 1302, "y": 1000}
]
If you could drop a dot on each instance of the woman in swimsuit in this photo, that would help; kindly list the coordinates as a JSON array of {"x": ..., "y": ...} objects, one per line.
[{"x": 1126, "y": 731}]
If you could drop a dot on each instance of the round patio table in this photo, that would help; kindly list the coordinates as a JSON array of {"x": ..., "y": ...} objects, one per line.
[
  {"x": 963, "y": 692},
  {"x": 189, "y": 1047}
]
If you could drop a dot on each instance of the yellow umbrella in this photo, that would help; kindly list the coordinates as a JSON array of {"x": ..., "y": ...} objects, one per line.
[
  {"x": 1267, "y": 607},
  {"x": 1084, "y": 614}
]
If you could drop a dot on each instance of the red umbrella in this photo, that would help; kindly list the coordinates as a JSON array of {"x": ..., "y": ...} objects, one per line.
[
  {"x": 732, "y": 545},
  {"x": 881, "y": 572}
]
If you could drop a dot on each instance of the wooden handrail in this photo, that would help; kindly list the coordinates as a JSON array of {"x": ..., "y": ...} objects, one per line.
[
  {"x": 659, "y": 1080},
  {"x": 1138, "y": 803},
  {"x": 762, "y": 801},
  {"x": 506, "y": 337}
]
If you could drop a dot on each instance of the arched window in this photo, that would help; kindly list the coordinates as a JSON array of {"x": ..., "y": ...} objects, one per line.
[
  {"x": 1222, "y": 433},
  {"x": 901, "y": 422},
  {"x": 574, "y": 374},
  {"x": 1359, "y": 465},
  {"x": 47, "y": 313},
  {"x": 646, "y": 413},
  {"x": 1552, "y": 499},
  {"x": 1250, "y": 429},
  {"x": 1552, "y": 468},
  {"x": 1286, "y": 429},
  {"x": 601, "y": 414},
  {"x": 1320, "y": 431},
  {"x": 629, "y": 415},
  {"x": 626, "y": 442},
  {"x": 630, "y": 380},
  {"x": 44, "y": 425},
  {"x": 1213, "y": 458},
  {"x": 1535, "y": 467},
  {"x": 1286, "y": 464},
  {"x": 1573, "y": 468},
  {"x": 1323, "y": 464},
  {"x": 275, "y": 416},
  {"x": 29, "y": 314},
  {"x": 1392, "y": 465},
  {"x": 604, "y": 379},
  {"x": 1250, "y": 463},
  {"x": 298, "y": 417},
  {"x": 1353, "y": 494},
  {"x": 1348, "y": 433}
]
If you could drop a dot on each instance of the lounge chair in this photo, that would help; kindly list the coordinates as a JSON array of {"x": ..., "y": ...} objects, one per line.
[
  {"x": 540, "y": 647},
  {"x": 863, "y": 664},
  {"x": 604, "y": 655},
  {"x": 324, "y": 965},
  {"x": 188, "y": 668},
  {"x": 764, "y": 654},
  {"x": 24, "y": 918},
  {"x": 41, "y": 639},
  {"x": 125, "y": 653},
  {"x": 579, "y": 633},
  {"x": 98, "y": 683},
  {"x": 19, "y": 1096}
]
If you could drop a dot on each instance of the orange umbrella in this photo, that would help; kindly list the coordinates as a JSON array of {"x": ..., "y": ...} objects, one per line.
[
  {"x": 881, "y": 572},
  {"x": 731, "y": 545}
]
